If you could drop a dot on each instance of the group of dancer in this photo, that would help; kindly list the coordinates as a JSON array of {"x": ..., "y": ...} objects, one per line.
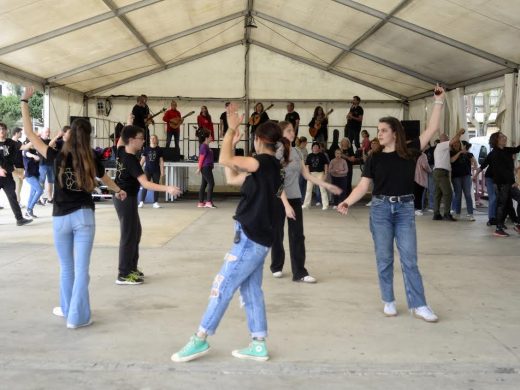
[{"x": 270, "y": 192}]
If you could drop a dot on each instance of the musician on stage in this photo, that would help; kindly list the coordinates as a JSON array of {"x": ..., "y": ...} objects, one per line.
[
  {"x": 319, "y": 119},
  {"x": 173, "y": 120},
  {"x": 141, "y": 115},
  {"x": 354, "y": 121},
  {"x": 294, "y": 118},
  {"x": 258, "y": 117}
]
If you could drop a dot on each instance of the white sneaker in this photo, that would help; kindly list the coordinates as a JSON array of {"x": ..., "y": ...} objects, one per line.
[
  {"x": 305, "y": 207},
  {"x": 277, "y": 274},
  {"x": 58, "y": 312},
  {"x": 418, "y": 212},
  {"x": 140, "y": 205},
  {"x": 425, "y": 313},
  {"x": 325, "y": 208},
  {"x": 470, "y": 217},
  {"x": 71, "y": 326},
  {"x": 318, "y": 204},
  {"x": 334, "y": 207},
  {"x": 308, "y": 279},
  {"x": 156, "y": 205},
  {"x": 369, "y": 204},
  {"x": 390, "y": 309},
  {"x": 456, "y": 216}
]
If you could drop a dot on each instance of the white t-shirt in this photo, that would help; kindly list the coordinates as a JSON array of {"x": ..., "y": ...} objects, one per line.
[{"x": 441, "y": 156}]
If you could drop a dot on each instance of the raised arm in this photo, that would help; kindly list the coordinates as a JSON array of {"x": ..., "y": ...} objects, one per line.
[
  {"x": 435, "y": 119},
  {"x": 36, "y": 141},
  {"x": 357, "y": 193}
]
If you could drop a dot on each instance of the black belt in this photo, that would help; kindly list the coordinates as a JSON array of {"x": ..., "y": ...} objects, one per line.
[{"x": 396, "y": 198}]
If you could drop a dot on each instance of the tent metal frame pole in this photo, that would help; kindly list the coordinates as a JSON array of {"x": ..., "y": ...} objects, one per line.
[
  {"x": 77, "y": 26},
  {"x": 428, "y": 33},
  {"x": 142, "y": 48},
  {"x": 332, "y": 71},
  {"x": 346, "y": 48},
  {"x": 369, "y": 32},
  {"x": 247, "y": 41},
  {"x": 160, "y": 69}
]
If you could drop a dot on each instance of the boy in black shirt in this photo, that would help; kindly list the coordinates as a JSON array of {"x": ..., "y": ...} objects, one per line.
[
  {"x": 318, "y": 166},
  {"x": 129, "y": 177},
  {"x": 354, "y": 121},
  {"x": 8, "y": 149}
]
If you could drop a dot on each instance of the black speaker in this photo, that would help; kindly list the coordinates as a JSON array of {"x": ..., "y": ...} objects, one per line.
[
  {"x": 171, "y": 154},
  {"x": 412, "y": 129},
  {"x": 216, "y": 153},
  {"x": 78, "y": 117}
]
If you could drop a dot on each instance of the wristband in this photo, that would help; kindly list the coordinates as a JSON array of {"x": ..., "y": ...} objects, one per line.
[
  {"x": 438, "y": 102},
  {"x": 24, "y": 100}
]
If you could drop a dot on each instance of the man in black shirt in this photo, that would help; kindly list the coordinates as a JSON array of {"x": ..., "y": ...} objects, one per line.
[
  {"x": 8, "y": 149},
  {"x": 354, "y": 121},
  {"x": 294, "y": 118},
  {"x": 18, "y": 172},
  {"x": 141, "y": 113},
  {"x": 223, "y": 122}
]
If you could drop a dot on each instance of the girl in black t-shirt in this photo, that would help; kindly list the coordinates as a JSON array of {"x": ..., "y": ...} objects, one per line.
[
  {"x": 261, "y": 178},
  {"x": 75, "y": 168},
  {"x": 392, "y": 214},
  {"x": 153, "y": 162}
]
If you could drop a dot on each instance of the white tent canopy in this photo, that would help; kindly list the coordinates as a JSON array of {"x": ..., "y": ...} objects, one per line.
[{"x": 303, "y": 50}]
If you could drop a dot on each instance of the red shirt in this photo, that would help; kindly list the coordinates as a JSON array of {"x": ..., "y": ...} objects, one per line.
[
  {"x": 205, "y": 123},
  {"x": 168, "y": 116}
]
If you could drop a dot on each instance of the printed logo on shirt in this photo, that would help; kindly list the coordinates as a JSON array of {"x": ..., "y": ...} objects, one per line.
[
  {"x": 70, "y": 180},
  {"x": 282, "y": 182},
  {"x": 119, "y": 169},
  {"x": 152, "y": 156},
  {"x": 4, "y": 150}
]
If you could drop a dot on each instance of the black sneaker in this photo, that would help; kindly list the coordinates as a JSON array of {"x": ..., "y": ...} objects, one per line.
[
  {"x": 40, "y": 202},
  {"x": 138, "y": 273},
  {"x": 449, "y": 217},
  {"x": 23, "y": 221},
  {"x": 491, "y": 222},
  {"x": 437, "y": 217},
  {"x": 48, "y": 201},
  {"x": 29, "y": 214},
  {"x": 131, "y": 279},
  {"x": 500, "y": 233}
]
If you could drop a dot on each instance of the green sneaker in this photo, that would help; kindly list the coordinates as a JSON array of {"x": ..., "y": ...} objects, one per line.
[
  {"x": 257, "y": 350},
  {"x": 195, "y": 348}
]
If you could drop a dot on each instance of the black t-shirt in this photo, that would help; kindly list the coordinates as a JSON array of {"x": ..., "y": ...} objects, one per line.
[
  {"x": 501, "y": 165},
  {"x": 152, "y": 158},
  {"x": 392, "y": 175},
  {"x": 349, "y": 153},
  {"x": 31, "y": 166},
  {"x": 128, "y": 169},
  {"x": 430, "y": 155},
  {"x": 69, "y": 197},
  {"x": 292, "y": 117},
  {"x": 140, "y": 114},
  {"x": 18, "y": 158},
  {"x": 223, "y": 118},
  {"x": 352, "y": 123},
  {"x": 316, "y": 162},
  {"x": 462, "y": 165},
  {"x": 260, "y": 200},
  {"x": 7, "y": 154}
]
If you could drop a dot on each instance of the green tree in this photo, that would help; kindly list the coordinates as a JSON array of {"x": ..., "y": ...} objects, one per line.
[{"x": 11, "y": 114}]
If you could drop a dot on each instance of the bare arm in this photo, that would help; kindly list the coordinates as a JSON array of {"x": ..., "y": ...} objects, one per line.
[
  {"x": 161, "y": 165},
  {"x": 357, "y": 193},
  {"x": 435, "y": 119},
  {"x": 319, "y": 182},
  {"x": 150, "y": 185},
  {"x": 36, "y": 141}
]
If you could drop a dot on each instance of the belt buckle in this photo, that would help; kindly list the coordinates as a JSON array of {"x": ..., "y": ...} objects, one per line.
[{"x": 393, "y": 199}]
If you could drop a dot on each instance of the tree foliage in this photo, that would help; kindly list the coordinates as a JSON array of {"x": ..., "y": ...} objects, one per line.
[{"x": 10, "y": 112}]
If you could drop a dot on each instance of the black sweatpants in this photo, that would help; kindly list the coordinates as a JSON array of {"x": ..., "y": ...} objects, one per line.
[
  {"x": 130, "y": 226},
  {"x": 503, "y": 199},
  {"x": 296, "y": 241},
  {"x": 9, "y": 186},
  {"x": 207, "y": 180}
]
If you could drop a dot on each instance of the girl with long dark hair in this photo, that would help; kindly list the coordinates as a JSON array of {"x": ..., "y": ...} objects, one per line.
[
  {"x": 261, "y": 178},
  {"x": 76, "y": 168},
  {"x": 392, "y": 217},
  {"x": 205, "y": 168},
  {"x": 204, "y": 122}
]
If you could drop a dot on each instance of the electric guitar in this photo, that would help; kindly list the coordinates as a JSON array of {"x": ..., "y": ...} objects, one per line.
[
  {"x": 176, "y": 123},
  {"x": 313, "y": 131},
  {"x": 149, "y": 118},
  {"x": 255, "y": 116}
]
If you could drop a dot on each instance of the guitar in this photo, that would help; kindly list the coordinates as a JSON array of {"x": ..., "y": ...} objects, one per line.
[
  {"x": 255, "y": 116},
  {"x": 313, "y": 131},
  {"x": 176, "y": 123},
  {"x": 149, "y": 119}
]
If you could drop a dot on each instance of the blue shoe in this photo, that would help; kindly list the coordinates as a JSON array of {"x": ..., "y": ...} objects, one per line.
[
  {"x": 195, "y": 348},
  {"x": 257, "y": 350}
]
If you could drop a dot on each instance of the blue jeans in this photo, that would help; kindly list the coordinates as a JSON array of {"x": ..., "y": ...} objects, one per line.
[
  {"x": 73, "y": 238},
  {"x": 243, "y": 268},
  {"x": 36, "y": 191},
  {"x": 492, "y": 198},
  {"x": 46, "y": 171},
  {"x": 431, "y": 189},
  {"x": 461, "y": 184},
  {"x": 389, "y": 221}
]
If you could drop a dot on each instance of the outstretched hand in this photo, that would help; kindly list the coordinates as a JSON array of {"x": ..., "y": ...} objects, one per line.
[
  {"x": 234, "y": 120},
  {"x": 343, "y": 208},
  {"x": 439, "y": 92},
  {"x": 28, "y": 92},
  {"x": 121, "y": 195},
  {"x": 334, "y": 189},
  {"x": 175, "y": 191}
]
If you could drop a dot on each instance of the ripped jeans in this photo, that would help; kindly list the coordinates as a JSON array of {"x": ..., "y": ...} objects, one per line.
[{"x": 242, "y": 269}]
